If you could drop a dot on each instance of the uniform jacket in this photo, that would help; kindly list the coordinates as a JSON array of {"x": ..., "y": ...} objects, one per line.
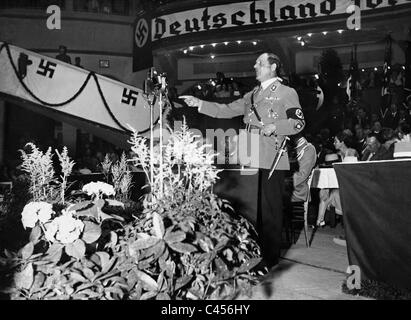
[
  {"x": 306, "y": 162},
  {"x": 277, "y": 104}
]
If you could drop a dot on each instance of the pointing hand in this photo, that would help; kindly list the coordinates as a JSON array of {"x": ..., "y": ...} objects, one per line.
[{"x": 191, "y": 101}]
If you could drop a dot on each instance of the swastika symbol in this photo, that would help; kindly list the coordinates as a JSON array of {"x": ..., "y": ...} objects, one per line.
[
  {"x": 46, "y": 68},
  {"x": 129, "y": 97},
  {"x": 141, "y": 34}
]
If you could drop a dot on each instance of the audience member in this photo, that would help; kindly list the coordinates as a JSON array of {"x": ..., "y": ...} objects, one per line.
[
  {"x": 375, "y": 149},
  {"x": 303, "y": 158},
  {"x": 62, "y": 56},
  {"x": 77, "y": 62},
  {"x": 392, "y": 117}
]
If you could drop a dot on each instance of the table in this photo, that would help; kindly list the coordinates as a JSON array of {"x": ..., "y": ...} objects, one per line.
[{"x": 324, "y": 178}]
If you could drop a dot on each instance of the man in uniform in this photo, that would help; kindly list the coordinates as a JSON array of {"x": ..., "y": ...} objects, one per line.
[{"x": 271, "y": 111}]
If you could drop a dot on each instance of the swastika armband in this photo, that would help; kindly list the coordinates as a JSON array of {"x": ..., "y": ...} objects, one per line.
[{"x": 295, "y": 113}]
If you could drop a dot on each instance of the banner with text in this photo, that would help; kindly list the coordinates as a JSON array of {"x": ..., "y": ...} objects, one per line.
[{"x": 251, "y": 13}]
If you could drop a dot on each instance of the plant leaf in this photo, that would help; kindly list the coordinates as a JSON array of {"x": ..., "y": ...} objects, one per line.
[
  {"x": 158, "y": 225},
  {"x": 148, "y": 295},
  {"x": 114, "y": 290},
  {"x": 146, "y": 243},
  {"x": 104, "y": 261},
  {"x": 182, "y": 247},
  {"x": 54, "y": 252},
  {"x": 91, "y": 233},
  {"x": 89, "y": 211},
  {"x": 35, "y": 234},
  {"x": 182, "y": 282},
  {"x": 148, "y": 282},
  {"x": 77, "y": 249},
  {"x": 27, "y": 250},
  {"x": 77, "y": 277},
  {"x": 100, "y": 203},
  {"x": 248, "y": 265},
  {"x": 80, "y": 206},
  {"x": 175, "y": 237},
  {"x": 25, "y": 278},
  {"x": 163, "y": 296},
  {"x": 114, "y": 203}
]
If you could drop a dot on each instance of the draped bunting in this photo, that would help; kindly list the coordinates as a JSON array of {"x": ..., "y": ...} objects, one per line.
[
  {"x": 73, "y": 91},
  {"x": 376, "y": 202}
]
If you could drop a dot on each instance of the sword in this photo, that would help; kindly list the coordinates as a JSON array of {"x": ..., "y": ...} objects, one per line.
[{"x": 279, "y": 155}]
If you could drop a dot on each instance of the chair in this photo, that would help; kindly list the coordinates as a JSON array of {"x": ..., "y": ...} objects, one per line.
[{"x": 299, "y": 213}]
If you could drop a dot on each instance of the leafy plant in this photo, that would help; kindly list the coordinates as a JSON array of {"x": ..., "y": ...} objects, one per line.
[{"x": 185, "y": 244}]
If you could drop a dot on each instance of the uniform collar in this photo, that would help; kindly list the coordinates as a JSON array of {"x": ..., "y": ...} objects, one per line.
[{"x": 265, "y": 84}]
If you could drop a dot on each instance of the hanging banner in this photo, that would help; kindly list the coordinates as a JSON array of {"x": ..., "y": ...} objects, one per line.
[
  {"x": 262, "y": 12},
  {"x": 142, "y": 54},
  {"x": 74, "y": 91},
  {"x": 376, "y": 203}
]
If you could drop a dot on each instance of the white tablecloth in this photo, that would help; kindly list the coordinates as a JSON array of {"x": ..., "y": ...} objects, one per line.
[{"x": 324, "y": 178}]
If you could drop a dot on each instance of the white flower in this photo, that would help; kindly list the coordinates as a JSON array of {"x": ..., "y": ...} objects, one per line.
[
  {"x": 36, "y": 211},
  {"x": 50, "y": 230},
  {"x": 69, "y": 228},
  {"x": 99, "y": 187}
]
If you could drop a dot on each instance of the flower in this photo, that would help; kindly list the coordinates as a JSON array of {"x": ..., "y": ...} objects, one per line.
[
  {"x": 99, "y": 187},
  {"x": 50, "y": 230},
  {"x": 69, "y": 228},
  {"x": 36, "y": 211}
]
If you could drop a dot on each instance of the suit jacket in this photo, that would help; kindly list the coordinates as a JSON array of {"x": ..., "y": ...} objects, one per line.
[
  {"x": 381, "y": 154},
  {"x": 277, "y": 104}
]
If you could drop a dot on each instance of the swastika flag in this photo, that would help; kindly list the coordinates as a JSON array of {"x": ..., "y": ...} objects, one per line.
[{"x": 142, "y": 54}]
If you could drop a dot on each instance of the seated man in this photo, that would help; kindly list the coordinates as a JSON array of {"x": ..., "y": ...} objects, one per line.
[
  {"x": 302, "y": 157},
  {"x": 302, "y": 161},
  {"x": 375, "y": 149}
]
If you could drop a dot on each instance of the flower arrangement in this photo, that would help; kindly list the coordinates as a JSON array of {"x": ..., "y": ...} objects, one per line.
[{"x": 185, "y": 244}]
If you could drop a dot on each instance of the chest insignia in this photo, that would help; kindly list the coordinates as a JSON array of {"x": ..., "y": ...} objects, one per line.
[{"x": 273, "y": 88}]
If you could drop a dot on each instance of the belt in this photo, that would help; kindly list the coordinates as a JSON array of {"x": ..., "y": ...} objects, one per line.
[{"x": 250, "y": 127}]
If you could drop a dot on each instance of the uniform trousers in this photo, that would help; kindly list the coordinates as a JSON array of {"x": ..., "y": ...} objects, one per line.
[{"x": 270, "y": 214}]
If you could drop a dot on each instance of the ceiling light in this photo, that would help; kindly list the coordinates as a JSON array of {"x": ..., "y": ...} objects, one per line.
[
  {"x": 340, "y": 31},
  {"x": 212, "y": 56},
  {"x": 403, "y": 67},
  {"x": 255, "y": 43},
  {"x": 185, "y": 51},
  {"x": 324, "y": 32},
  {"x": 316, "y": 76},
  {"x": 309, "y": 34},
  {"x": 214, "y": 44},
  {"x": 299, "y": 38},
  {"x": 201, "y": 46},
  {"x": 362, "y": 70},
  {"x": 375, "y": 69},
  {"x": 239, "y": 41},
  {"x": 226, "y": 42},
  {"x": 302, "y": 43},
  {"x": 191, "y": 48}
]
